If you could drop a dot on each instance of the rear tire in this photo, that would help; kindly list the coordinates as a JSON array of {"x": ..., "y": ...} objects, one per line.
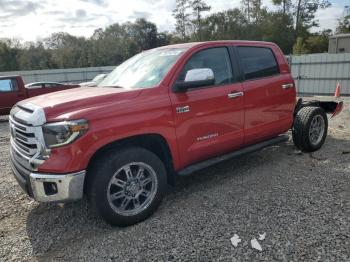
[
  {"x": 127, "y": 185},
  {"x": 310, "y": 128}
]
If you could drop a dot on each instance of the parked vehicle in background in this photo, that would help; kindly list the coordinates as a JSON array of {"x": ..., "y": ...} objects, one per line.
[
  {"x": 165, "y": 112},
  {"x": 94, "y": 82},
  {"x": 43, "y": 85},
  {"x": 13, "y": 90}
]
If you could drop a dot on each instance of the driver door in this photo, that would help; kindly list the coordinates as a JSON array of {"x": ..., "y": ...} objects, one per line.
[
  {"x": 9, "y": 94},
  {"x": 209, "y": 120}
]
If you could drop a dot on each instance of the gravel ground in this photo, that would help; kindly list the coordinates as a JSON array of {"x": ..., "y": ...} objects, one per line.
[{"x": 300, "y": 200}]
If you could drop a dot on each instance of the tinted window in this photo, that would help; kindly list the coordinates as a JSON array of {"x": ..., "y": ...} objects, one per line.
[
  {"x": 53, "y": 85},
  {"x": 258, "y": 62},
  {"x": 8, "y": 85},
  {"x": 34, "y": 86},
  {"x": 217, "y": 59}
]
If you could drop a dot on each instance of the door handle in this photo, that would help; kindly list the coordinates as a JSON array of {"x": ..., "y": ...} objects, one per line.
[
  {"x": 286, "y": 86},
  {"x": 235, "y": 94}
]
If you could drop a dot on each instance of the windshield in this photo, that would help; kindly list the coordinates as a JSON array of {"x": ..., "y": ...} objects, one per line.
[
  {"x": 98, "y": 78},
  {"x": 144, "y": 70}
]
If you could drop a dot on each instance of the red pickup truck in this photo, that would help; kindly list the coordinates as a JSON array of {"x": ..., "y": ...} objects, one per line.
[
  {"x": 12, "y": 90},
  {"x": 165, "y": 112}
]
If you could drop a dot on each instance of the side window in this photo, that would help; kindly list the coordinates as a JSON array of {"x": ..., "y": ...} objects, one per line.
[
  {"x": 53, "y": 85},
  {"x": 35, "y": 86},
  {"x": 8, "y": 85},
  {"x": 257, "y": 62},
  {"x": 217, "y": 59}
]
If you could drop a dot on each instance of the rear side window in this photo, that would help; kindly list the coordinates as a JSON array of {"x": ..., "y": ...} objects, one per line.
[
  {"x": 35, "y": 86},
  {"x": 53, "y": 85},
  {"x": 8, "y": 85},
  {"x": 217, "y": 59},
  {"x": 257, "y": 62}
]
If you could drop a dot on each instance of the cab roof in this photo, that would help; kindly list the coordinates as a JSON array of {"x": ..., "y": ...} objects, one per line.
[{"x": 223, "y": 42}]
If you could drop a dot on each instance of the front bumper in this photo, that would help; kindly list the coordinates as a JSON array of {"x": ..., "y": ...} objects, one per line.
[
  {"x": 28, "y": 151},
  {"x": 49, "y": 187},
  {"x": 57, "y": 188}
]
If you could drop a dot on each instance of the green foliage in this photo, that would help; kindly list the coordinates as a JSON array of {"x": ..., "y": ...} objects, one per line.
[
  {"x": 305, "y": 14},
  {"x": 109, "y": 46},
  {"x": 35, "y": 57},
  {"x": 277, "y": 27},
  {"x": 182, "y": 17},
  {"x": 8, "y": 55},
  {"x": 285, "y": 4},
  {"x": 288, "y": 26},
  {"x": 318, "y": 42},
  {"x": 230, "y": 24},
  {"x": 314, "y": 43},
  {"x": 198, "y": 7},
  {"x": 302, "y": 12},
  {"x": 299, "y": 47},
  {"x": 343, "y": 25},
  {"x": 252, "y": 10}
]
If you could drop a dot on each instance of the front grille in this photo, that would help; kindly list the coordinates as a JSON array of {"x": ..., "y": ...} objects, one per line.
[
  {"x": 23, "y": 139},
  {"x": 27, "y": 142}
]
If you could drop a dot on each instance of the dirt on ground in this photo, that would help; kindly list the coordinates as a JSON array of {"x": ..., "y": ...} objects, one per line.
[{"x": 300, "y": 200}]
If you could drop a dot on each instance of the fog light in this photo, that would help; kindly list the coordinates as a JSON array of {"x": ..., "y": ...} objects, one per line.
[{"x": 50, "y": 188}]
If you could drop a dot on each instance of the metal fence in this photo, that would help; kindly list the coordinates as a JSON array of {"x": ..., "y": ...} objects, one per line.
[
  {"x": 74, "y": 75},
  {"x": 318, "y": 74},
  {"x": 315, "y": 74}
]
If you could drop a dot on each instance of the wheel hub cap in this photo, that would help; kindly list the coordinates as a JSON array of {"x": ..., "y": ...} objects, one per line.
[
  {"x": 317, "y": 129},
  {"x": 132, "y": 188}
]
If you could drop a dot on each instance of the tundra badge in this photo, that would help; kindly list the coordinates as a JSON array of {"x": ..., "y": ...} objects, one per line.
[{"x": 182, "y": 109}]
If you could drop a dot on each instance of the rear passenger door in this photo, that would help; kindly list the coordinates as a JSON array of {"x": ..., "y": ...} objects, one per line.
[
  {"x": 209, "y": 119},
  {"x": 269, "y": 104}
]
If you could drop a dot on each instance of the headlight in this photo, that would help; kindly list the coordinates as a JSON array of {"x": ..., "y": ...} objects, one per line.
[{"x": 63, "y": 133}]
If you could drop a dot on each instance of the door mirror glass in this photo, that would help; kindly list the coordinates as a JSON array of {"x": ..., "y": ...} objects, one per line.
[
  {"x": 199, "y": 74},
  {"x": 196, "y": 78}
]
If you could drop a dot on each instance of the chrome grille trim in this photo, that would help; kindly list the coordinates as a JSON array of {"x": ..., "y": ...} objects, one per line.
[
  {"x": 22, "y": 127},
  {"x": 27, "y": 140},
  {"x": 25, "y": 133},
  {"x": 14, "y": 147}
]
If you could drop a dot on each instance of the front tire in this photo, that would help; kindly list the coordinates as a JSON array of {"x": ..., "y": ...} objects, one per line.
[
  {"x": 127, "y": 185},
  {"x": 310, "y": 128}
]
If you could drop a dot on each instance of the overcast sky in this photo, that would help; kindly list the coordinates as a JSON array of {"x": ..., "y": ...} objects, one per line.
[{"x": 36, "y": 19}]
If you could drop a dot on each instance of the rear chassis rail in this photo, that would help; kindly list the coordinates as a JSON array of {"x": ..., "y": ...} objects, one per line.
[{"x": 330, "y": 107}]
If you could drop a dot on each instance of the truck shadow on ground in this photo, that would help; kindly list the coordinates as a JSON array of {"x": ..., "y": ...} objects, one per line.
[{"x": 52, "y": 228}]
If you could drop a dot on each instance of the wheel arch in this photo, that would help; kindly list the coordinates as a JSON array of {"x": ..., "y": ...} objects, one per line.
[{"x": 155, "y": 143}]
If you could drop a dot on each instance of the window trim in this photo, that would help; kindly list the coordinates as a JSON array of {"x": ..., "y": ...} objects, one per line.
[
  {"x": 242, "y": 68},
  {"x": 12, "y": 90},
  {"x": 233, "y": 71},
  {"x": 34, "y": 87},
  {"x": 53, "y": 85}
]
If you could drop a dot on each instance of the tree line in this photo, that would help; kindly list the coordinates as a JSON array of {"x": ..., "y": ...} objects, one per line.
[{"x": 288, "y": 25}]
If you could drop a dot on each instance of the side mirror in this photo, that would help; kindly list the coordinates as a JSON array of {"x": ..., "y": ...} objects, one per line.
[{"x": 196, "y": 78}]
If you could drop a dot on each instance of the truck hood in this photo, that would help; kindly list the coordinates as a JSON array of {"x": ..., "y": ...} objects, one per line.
[{"x": 78, "y": 102}]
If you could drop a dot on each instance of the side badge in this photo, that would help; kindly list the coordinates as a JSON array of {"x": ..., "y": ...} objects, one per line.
[{"x": 182, "y": 109}]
